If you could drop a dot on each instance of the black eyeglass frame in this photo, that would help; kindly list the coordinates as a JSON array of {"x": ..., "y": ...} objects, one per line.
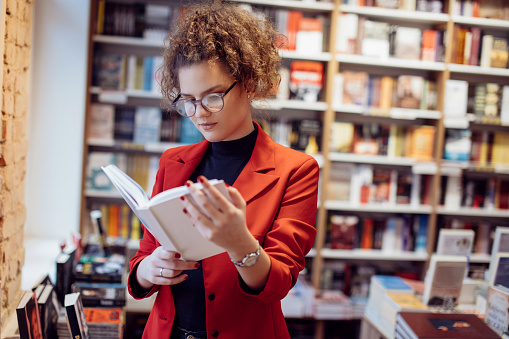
[{"x": 194, "y": 102}]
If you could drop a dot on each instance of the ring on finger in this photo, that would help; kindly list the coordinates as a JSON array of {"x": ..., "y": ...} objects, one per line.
[{"x": 161, "y": 272}]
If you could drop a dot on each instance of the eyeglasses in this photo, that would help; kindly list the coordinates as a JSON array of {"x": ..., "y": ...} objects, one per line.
[{"x": 212, "y": 102}]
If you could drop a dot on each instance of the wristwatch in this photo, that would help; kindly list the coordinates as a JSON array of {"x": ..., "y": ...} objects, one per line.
[{"x": 249, "y": 259}]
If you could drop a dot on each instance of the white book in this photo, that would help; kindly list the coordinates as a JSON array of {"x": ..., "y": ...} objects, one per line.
[
  {"x": 131, "y": 72},
  {"x": 163, "y": 215},
  {"x": 444, "y": 279},
  {"x": 504, "y": 108},
  {"x": 453, "y": 193},
  {"x": 456, "y": 98},
  {"x": 486, "y": 46},
  {"x": 455, "y": 242},
  {"x": 346, "y": 33}
]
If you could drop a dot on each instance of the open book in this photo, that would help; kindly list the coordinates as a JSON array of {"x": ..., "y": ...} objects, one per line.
[{"x": 163, "y": 215}]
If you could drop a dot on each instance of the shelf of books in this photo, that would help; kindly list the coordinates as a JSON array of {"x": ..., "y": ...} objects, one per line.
[{"x": 405, "y": 105}]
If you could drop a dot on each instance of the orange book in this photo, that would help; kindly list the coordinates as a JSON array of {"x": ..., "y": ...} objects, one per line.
[
  {"x": 113, "y": 221},
  {"x": 429, "y": 45},
  {"x": 422, "y": 139},
  {"x": 387, "y": 84},
  {"x": 294, "y": 18},
  {"x": 367, "y": 234}
]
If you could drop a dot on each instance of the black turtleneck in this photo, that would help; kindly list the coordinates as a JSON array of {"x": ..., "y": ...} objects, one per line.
[{"x": 223, "y": 160}]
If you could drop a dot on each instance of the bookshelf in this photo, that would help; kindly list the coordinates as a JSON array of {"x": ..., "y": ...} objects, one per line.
[{"x": 328, "y": 110}]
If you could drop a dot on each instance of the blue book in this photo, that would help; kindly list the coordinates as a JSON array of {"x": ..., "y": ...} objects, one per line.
[
  {"x": 148, "y": 70},
  {"x": 391, "y": 283}
]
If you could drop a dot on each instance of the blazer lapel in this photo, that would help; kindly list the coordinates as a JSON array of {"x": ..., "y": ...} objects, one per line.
[
  {"x": 253, "y": 179},
  {"x": 178, "y": 170}
]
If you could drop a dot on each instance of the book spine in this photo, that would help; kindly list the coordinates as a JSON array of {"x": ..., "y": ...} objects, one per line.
[{"x": 73, "y": 322}]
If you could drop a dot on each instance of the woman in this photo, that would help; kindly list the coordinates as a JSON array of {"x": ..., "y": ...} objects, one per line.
[{"x": 218, "y": 59}]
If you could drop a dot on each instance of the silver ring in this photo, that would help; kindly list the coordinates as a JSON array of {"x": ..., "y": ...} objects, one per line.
[{"x": 161, "y": 272}]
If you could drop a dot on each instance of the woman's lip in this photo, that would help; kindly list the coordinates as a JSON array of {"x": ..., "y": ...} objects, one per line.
[{"x": 208, "y": 125}]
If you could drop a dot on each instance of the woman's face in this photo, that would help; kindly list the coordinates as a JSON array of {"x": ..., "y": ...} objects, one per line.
[{"x": 234, "y": 120}]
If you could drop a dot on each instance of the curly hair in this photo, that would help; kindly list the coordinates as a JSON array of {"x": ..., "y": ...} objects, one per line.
[{"x": 223, "y": 33}]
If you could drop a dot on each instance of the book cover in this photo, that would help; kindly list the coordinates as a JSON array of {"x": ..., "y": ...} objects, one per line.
[
  {"x": 309, "y": 37},
  {"x": 111, "y": 72},
  {"x": 99, "y": 268},
  {"x": 408, "y": 43},
  {"x": 455, "y": 241},
  {"x": 500, "y": 242},
  {"x": 49, "y": 308},
  {"x": 147, "y": 125},
  {"x": 74, "y": 313},
  {"x": 101, "y": 121},
  {"x": 499, "y": 53},
  {"x": 27, "y": 312},
  {"x": 306, "y": 80},
  {"x": 457, "y": 144},
  {"x": 497, "y": 310},
  {"x": 101, "y": 294},
  {"x": 444, "y": 325},
  {"x": 355, "y": 88},
  {"x": 339, "y": 185},
  {"x": 64, "y": 274},
  {"x": 163, "y": 215},
  {"x": 343, "y": 231},
  {"x": 456, "y": 98},
  {"x": 486, "y": 46},
  {"x": 375, "y": 42},
  {"x": 346, "y": 33},
  {"x": 342, "y": 135},
  {"x": 499, "y": 272},
  {"x": 444, "y": 280},
  {"x": 429, "y": 45},
  {"x": 124, "y": 123},
  {"x": 410, "y": 89}
]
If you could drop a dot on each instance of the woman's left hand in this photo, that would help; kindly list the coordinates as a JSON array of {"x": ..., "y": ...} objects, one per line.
[{"x": 223, "y": 222}]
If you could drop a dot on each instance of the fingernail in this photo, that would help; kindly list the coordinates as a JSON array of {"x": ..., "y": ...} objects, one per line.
[
  {"x": 188, "y": 184},
  {"x": 177, "y": 255},
  {"x": 197, "y": 265},
  {"x": 201, "y": 178},
  {"x": 182, "y": 198},
  {"x": 186, "y": 277},
  {"x": 185, "y": 211}
]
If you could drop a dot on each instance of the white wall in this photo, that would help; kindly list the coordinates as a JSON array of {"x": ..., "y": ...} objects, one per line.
[{"x": 56, "y": 117}]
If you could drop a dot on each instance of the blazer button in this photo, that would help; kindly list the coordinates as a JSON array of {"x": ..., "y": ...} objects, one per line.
[
  {"x": 212, "y": 296},
  {"x": 215, "y": 334}
]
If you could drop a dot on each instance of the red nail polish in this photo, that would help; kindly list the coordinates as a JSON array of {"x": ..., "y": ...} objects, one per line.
[
  {"x": 177, "y": 255},
  {"x": 188, "y": 184},
  {"x": 197, "y": 265},
  {"x": 186, "y": 277},
  {"x": 185, "y": 211},
  {"x": 182, "y": 198},
  {"x": 201, "y": 179}
]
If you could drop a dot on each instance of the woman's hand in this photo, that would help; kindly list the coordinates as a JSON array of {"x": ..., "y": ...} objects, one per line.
[
  {"x": 223, "y": 222},
  {"x": 163, "y": 267}
]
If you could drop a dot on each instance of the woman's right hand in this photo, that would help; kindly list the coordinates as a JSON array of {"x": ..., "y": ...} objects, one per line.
[{"x": 163, "y": 267}]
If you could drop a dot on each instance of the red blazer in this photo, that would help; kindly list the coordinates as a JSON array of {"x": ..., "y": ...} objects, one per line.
[{"x": 280, "y": 187}]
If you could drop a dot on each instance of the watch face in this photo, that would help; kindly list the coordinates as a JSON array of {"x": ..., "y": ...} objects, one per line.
[{"x": 250, "y": 261}]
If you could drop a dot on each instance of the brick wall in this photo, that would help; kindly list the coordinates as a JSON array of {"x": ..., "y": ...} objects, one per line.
[{"x": 13, "y": 148}]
